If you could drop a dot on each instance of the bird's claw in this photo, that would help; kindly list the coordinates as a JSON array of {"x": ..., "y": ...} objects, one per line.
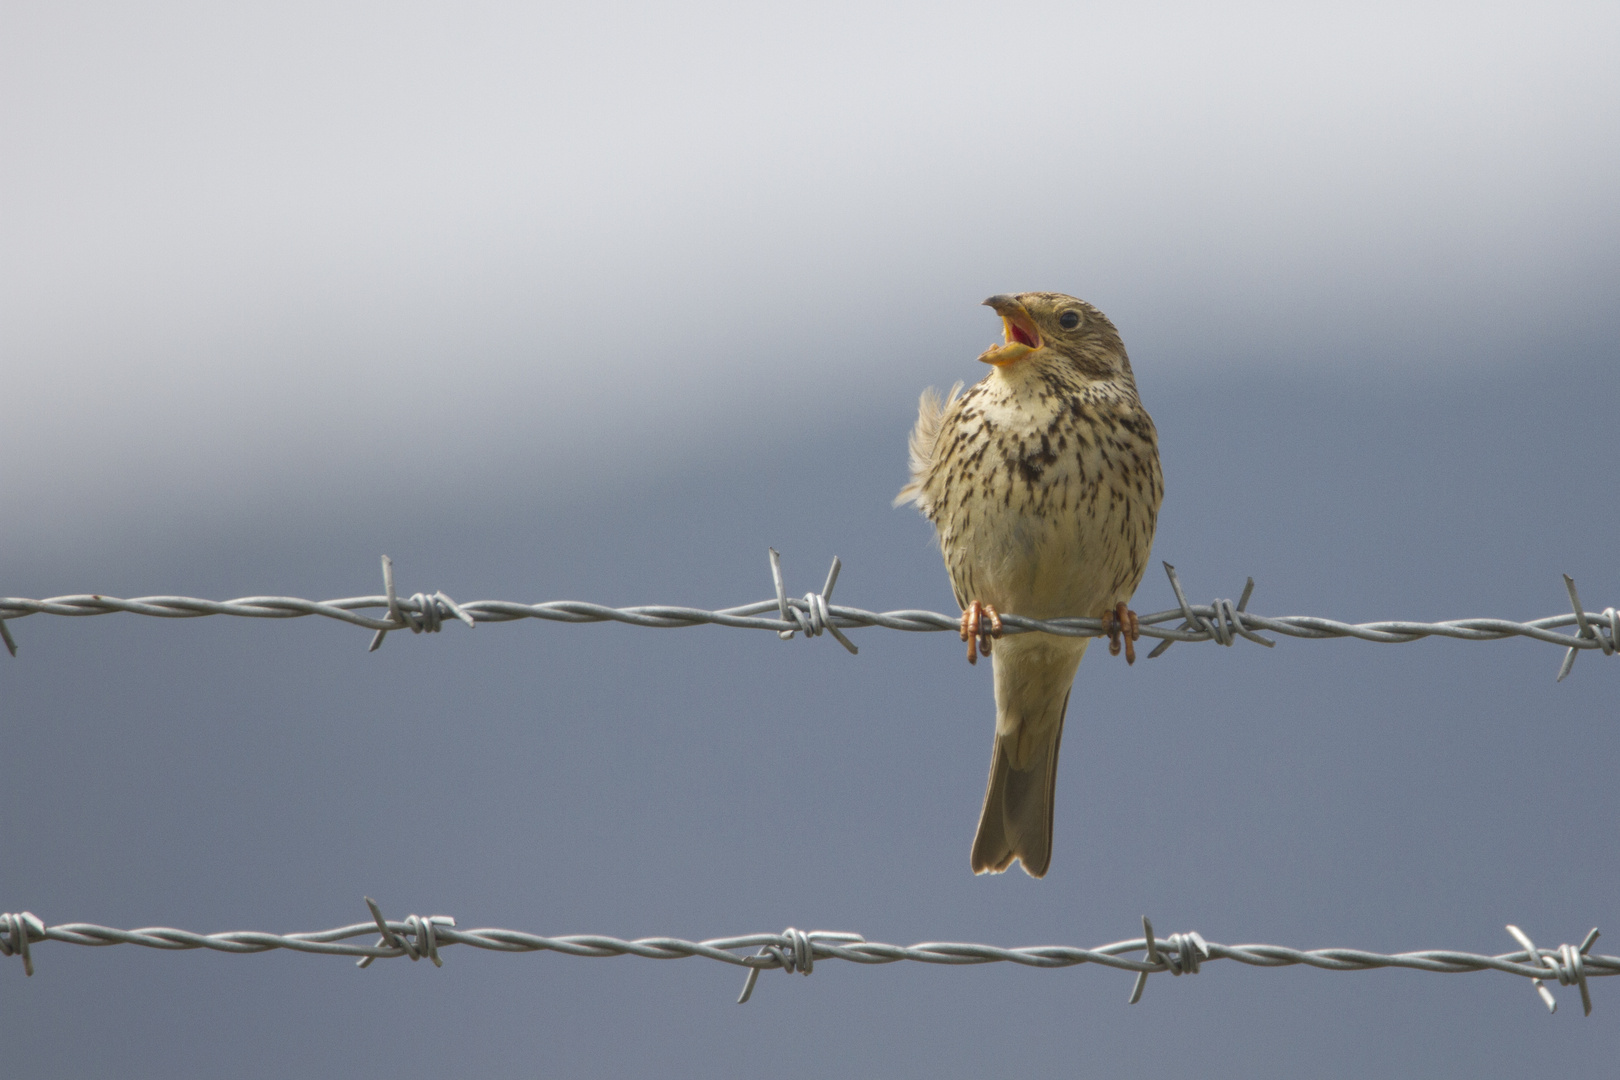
[
  {"x": 976, "y": 633},
  {"x": 1122, "y": 627}
]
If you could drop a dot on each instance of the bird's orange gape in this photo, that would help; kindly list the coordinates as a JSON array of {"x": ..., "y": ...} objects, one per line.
[
  {"x": 1019, "y": 338},
  {"x": 976, "y": 633}
]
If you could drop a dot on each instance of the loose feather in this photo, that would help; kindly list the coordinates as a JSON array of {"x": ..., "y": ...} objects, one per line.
[{"x": 931, "y": 411}]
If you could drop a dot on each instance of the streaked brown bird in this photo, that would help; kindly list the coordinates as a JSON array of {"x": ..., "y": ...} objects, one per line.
[{"x": 1043, "y": 481}]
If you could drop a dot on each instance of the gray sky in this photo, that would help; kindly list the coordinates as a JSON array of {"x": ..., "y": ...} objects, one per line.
[
  {"x": 566, "y": 302},
  {"x": 259, "y": 246}
]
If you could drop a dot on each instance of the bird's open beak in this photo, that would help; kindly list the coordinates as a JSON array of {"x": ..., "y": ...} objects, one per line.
[{"x": 1019, "y": 336}]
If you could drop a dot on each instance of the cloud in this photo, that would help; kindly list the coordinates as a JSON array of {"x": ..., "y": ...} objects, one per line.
[{"x": 283, "y": 244}]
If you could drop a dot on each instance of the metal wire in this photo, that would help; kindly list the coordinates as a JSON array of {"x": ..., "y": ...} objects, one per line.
[
  {"x": 799, "y": 951},
  {"x": 793, "y": 950},
  {"x": 1220, "y": 621}
]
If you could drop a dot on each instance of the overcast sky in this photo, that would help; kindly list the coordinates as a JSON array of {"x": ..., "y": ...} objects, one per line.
[
  {"x": 596, "y": 301},
  {"x": 294, "y": 247}
]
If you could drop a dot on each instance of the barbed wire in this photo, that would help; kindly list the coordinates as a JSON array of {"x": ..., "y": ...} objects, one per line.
[
  {"x": 793, "y": 950},
  {"x": 1220, "y": 621},
  {"x": 799, "y": 951}
]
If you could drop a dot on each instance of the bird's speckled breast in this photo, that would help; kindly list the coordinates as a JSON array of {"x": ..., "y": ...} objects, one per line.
[{"x": 1045, "y": 490}]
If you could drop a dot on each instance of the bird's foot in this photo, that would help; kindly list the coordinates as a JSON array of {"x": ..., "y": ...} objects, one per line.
[
  {"x": 1122, "y": 627},
  {"x": 980, "y": 623}
]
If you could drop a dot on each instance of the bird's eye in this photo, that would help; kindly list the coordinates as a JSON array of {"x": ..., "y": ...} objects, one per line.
[{"x": 1069, "y": 319}]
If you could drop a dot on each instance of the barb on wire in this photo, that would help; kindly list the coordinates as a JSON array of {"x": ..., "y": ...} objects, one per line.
[
  {"x": 425, "y": 613},
  {"x": 1567, "y": 964},
  {"x": 1223, "y": 621},
  {"x": 796, "y": 952},
  {"x": 1181, "y": 955},
  {"x": 1220, "y": 621},
  {"x": 1588, "y": 631},
  {"x": 16, "y": 932},
  {"x": 799, "y": 950},
  {"x": 813, "y": 617},
  {"x": 420, "y": 937}
]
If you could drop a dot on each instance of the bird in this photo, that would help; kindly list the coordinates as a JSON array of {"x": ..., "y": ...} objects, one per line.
[{"x": 1044, "y": 485}]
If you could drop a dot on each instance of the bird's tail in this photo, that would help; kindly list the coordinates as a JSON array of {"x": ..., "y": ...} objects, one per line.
[{"x": 1016, "y": 822}]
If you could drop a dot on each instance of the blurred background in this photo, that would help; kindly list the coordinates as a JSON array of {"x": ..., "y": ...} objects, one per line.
[{"x": 569, "y": 302}]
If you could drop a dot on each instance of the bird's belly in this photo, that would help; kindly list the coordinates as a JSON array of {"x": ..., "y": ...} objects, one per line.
[
  {"x": 1061, "y": 550},
  {"x": 1036, "y": 567}
]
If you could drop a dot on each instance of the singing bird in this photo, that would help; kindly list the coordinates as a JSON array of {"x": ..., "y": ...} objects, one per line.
[{"x": 1043, "y": 481}]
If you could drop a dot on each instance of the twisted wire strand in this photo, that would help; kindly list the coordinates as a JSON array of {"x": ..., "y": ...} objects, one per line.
[
  {"x": 798, "y": 951},
  {"x": 1220, "y": 621}
]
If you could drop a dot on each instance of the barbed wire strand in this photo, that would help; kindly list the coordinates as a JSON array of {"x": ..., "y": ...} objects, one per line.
[
  {"x": 1220, "y": 621},
  {"x": 799, "y": 950}
]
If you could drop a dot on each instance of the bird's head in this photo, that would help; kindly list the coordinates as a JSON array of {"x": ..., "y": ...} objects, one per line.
[{"x": 1043, "y": 329}]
